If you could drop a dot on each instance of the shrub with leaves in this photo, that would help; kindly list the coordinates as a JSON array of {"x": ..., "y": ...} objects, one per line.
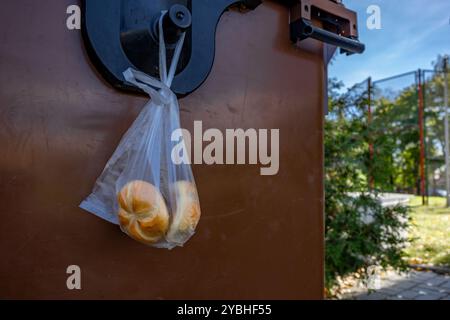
[{"x": 360, "y": 232}]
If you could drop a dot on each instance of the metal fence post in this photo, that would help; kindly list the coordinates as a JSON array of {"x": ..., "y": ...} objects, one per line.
[
  {"x": 424, "y": 88},
  {"x": 421, "y": 140},
  {"x": 447, "y": 153}
]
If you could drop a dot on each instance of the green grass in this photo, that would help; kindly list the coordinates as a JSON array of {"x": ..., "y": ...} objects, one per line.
[{"x": 431, "y": 232}]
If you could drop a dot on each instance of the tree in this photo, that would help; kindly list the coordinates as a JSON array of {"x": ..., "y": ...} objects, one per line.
[{"x": 394, "y": 130}]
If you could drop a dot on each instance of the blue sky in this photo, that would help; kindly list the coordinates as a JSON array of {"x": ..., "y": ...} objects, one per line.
[{"x": 413, "y": 33}]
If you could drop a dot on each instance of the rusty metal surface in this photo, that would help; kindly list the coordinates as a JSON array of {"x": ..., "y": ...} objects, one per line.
[{"x": 259, "y": 237}]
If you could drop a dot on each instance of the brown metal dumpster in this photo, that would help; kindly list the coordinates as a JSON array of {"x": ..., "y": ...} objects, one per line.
[{"x": 260, "y": 237}]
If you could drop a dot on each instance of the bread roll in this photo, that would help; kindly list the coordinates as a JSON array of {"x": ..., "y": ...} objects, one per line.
[
  {"x": 143, "y": 213},
  {"x": 186, "y": 212}
]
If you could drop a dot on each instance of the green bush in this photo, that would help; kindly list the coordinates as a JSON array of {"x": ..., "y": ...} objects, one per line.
[{"x": 359, "y": 232}]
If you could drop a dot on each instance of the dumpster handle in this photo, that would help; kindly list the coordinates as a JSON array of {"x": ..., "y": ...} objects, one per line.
[{"x": 349, "y": 45}]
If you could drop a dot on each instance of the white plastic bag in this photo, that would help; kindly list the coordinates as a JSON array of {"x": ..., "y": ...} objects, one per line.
[{"x": 154, "y": 200}]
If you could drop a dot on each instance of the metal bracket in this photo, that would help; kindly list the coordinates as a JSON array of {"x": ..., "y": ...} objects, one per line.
[
  {"x": 120, "y": 34},
  {"x": 326, "y": 21}
]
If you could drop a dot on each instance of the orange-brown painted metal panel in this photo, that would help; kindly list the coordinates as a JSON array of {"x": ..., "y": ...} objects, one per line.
[{"x": 259, "y": 237}]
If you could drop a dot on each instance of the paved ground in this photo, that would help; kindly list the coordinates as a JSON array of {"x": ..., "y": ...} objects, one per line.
[
  {"x": 390, "y": 199},
  {"x": 411, "y": 286},
  {"x": 393, "y": 199}
]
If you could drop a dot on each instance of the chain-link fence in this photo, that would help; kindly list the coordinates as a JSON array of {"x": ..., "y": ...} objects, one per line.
[
  {"x": 404, "y": 117},
  {"x": 395, "y": 134},
  {"x": 434, "y": 131}
]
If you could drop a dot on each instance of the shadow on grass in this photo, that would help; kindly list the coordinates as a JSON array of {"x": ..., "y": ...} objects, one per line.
[
  {"x": 444, "y": 260},
  {"x": 431, "y": 233}
]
